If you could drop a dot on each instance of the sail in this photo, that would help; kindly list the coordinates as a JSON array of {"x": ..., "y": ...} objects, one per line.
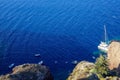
[
  {"x": 103, "y": 46},
  {"x": 105, "y": 34}
]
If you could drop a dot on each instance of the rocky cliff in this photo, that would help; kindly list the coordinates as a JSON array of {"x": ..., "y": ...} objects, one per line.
[
  {"x": 114, "y": 54},
  {"x": 28, "y": 72},
  {"x": 82, "y": 72}
]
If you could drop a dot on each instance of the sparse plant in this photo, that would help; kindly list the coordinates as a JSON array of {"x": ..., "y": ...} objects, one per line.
[{"x": 101, "y": 67}]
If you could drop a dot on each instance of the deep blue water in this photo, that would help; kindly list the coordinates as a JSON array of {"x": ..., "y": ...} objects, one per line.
[{"x": 59, "y": 30}]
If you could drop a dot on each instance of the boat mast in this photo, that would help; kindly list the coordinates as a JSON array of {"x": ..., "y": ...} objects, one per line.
[{"x": 105, "y": 34}]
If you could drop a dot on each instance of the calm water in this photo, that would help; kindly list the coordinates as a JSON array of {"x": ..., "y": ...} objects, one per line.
[{"x": 59, "y": 30}]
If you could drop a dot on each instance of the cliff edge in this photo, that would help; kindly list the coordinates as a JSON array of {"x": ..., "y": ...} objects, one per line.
[
  {"x": 28, "y": 72},
  {"x": 105, "y": 68},
  {"x": 114, "y": 54},
  {"x": 82, "y": 71}
]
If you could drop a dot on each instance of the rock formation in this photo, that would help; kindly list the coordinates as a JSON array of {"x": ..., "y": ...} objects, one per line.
[
  {"x": 82, "y": 72},
  {"x": 28, "y": 72},
  {"x": 114, "y": 54}
]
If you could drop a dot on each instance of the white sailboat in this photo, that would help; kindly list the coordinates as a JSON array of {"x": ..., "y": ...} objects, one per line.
[{"x": 103, "y": 46}]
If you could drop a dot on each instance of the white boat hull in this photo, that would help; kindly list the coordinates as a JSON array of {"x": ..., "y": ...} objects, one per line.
[{"x": 103, "y": 47}]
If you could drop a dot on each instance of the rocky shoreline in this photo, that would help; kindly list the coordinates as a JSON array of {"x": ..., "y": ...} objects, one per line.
[
  {"x": 105, "y": 68},
  {"x": 29, "y": 72}
]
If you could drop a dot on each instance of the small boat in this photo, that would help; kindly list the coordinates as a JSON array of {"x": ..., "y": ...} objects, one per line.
[
  {"x": 55, "y": 62},
  {"x": 66, "y": 62},
  {"x": 41, "y": 62},
  {"x": 93, "y": 57},
  {"x": 11, "y": 65},
  {"x": 37, "y": 55},
  {"x": 74, "y": 62},
  {"x": 103, "y": 46}
]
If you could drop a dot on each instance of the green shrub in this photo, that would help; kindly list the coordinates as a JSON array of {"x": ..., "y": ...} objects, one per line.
[{"x": 101, "y": 67}]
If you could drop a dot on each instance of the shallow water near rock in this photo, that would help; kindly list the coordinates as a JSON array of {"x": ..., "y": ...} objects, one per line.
[{"x": 58, "y": 30}]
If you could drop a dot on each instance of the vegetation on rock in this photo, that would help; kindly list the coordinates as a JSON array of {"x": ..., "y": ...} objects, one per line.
[{"x": 101, "y": 68}]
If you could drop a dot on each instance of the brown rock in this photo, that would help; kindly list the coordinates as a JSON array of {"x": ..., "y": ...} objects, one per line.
[
  {"x": 114, "y": 54},
  {"x": 29, "y": 72},
  {"x": 82, "y": 71}
]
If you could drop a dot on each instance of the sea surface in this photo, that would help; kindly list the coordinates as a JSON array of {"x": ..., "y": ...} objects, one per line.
[{"x": 61, "y": 31}]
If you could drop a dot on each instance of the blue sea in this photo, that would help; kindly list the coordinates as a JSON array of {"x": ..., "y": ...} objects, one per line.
[{"x": 59, "y": 30}]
